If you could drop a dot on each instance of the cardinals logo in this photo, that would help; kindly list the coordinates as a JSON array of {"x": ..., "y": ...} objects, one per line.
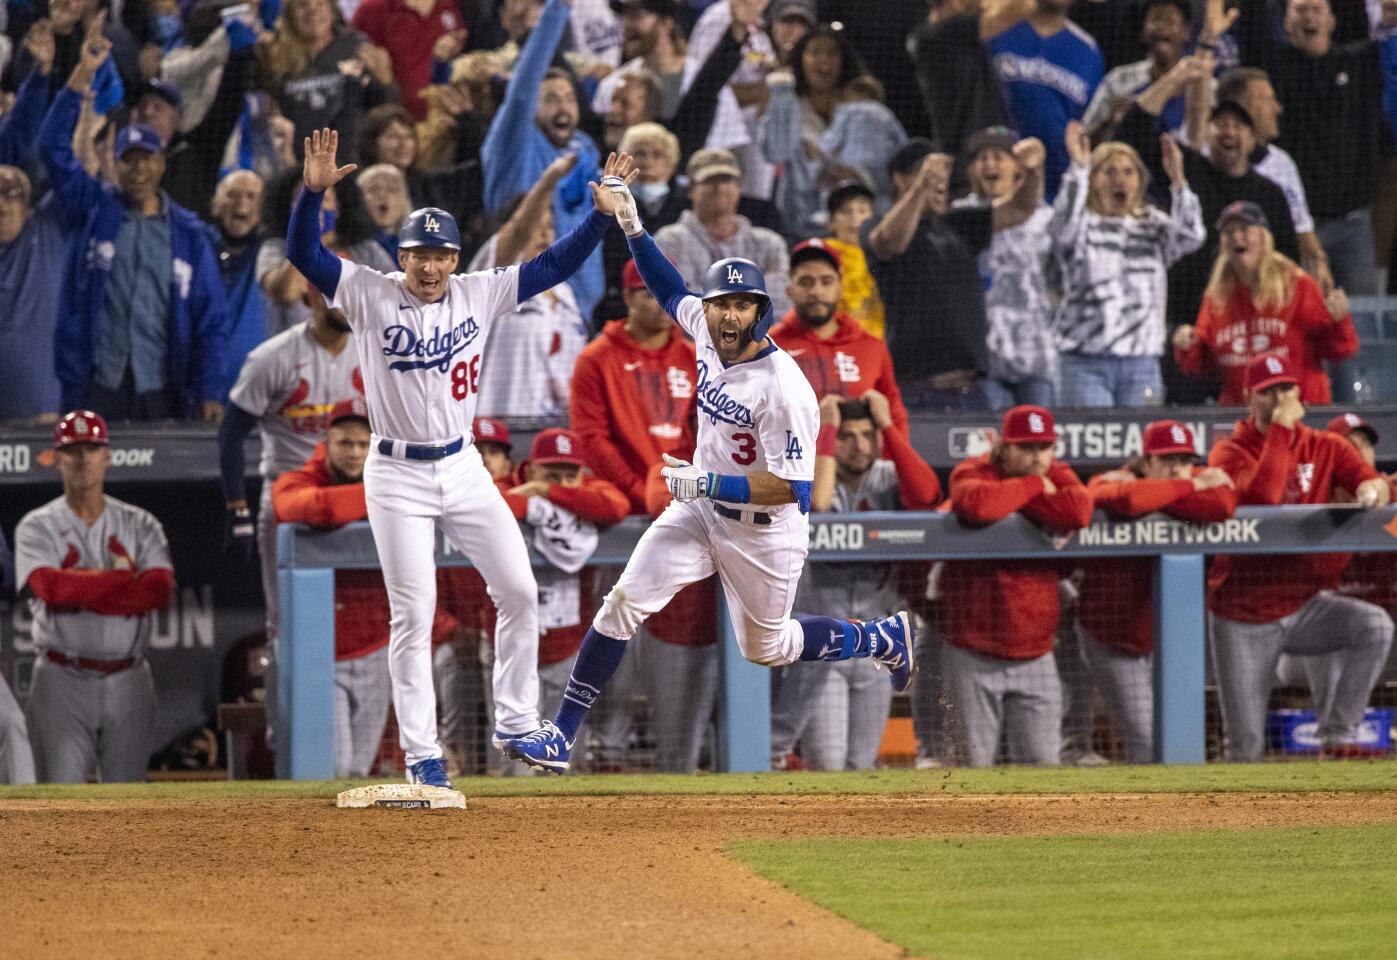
[
  {"x": 298, "y": 397},
  {"x": 121, "y": 557},
  {"x": 358, "y": 379}
]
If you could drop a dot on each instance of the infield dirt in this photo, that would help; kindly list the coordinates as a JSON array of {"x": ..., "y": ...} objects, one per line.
[{"x": 510, "y": 877}]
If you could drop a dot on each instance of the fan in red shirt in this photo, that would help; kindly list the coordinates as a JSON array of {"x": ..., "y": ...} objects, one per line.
[
  {"x": 328, "y": 492},
  {"x": 1000, "y": 616},
  {"x": 1116, "y": 604},
  {"x": 409, "y": 30},
  {"x": 632, "y": 401},
  {"x": 836, "y": 354},
  {"x": 1263, "y": 606},
  {"x": 1260, "y": 301}
]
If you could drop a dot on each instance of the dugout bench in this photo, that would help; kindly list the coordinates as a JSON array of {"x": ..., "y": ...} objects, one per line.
[{"x": 307, "y": 560}]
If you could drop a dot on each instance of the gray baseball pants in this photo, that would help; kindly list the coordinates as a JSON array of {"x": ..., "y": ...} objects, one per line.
[
  {"x": 1078, "y": 694},
  {"x": 16, "y": 755},
  {"x": 78, "y": 718},
  {"x": 1020, "y": 699},
  {"x": 934, "y": 722},
  {"x": 266, "y": 550},
  {"x": 681, "y": 686},
  {"x": 850, "y": 712},
  {"x": 794, "y": 690},
  {"x": 1126, "y": 684},
  {"x": 1245, "y": 655},
  {"x": 362, "y": 695}
]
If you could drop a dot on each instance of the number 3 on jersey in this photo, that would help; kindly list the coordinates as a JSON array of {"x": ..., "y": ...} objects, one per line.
[
  {"x": 746, "y": 453},
  {"x": 464, "y": 378}
]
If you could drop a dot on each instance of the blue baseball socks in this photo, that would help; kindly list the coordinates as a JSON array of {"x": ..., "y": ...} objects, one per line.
[
  {"x": 829, "y": 639},
  {"x": 596, "y": 662}
]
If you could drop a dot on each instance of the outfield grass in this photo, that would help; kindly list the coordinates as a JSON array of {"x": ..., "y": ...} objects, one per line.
[
  {"x": 1269, "y": 894},
  {"x": 1219, "y": 778}
]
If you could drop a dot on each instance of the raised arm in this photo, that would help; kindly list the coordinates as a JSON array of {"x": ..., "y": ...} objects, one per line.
[
  {"x": 1023, "y": 202},
  {"x": 693, "y": 119},
  {"x": 1186, "y": 232},
  {"x": 505, "y": 140},
  {"x": 536, "y": 203},
  {"x": 1070, "y": 207},
  {"x": 565, "y": 256},
  {"x": 19, "y": 129},
  {"x": 303, "y": 247},
  {"x": 76, "y": 190},
  {"x": 996, "y": 16},
  {"x": 894, "y": 233}
]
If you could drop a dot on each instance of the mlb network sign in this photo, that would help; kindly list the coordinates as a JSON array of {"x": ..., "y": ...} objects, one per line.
[{"x": 1100, "y": 440}]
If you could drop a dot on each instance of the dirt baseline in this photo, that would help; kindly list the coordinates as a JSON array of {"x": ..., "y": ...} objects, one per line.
[{"x": 584, "y": 877}]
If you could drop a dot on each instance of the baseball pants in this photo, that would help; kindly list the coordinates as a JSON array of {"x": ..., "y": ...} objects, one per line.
[
  {"x": 78, "y": 718},
  {"x": 552, "y": 680},
  {"x": 850, "y": 713},
  {"x": 408, "y": 500},
  {"x": 16, "y": 755},
  {"x": 681, "y": 685},
  {"x": 933, "y": 724},
  {"x": 759, "y": 567},
  {"x": 610, "y": 720},
  {"x": 1245, "y": 655},
  {"x": 266, "y": 552},
  {"x": 363, "y": 691},
  {"x": 457, "y": 673},
  {"x": 1020, "y": 699},
  {"x": 1126, "y": 683},
  {"x": 1078, "y": 694},
  {"x": 795, "y": 688}
]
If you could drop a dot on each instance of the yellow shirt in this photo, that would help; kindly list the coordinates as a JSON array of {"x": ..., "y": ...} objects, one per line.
[{"x": 861, "y": 299}]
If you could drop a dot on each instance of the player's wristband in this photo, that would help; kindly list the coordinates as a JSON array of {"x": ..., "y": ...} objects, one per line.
[
  {"x": 729, "y": 488},
  {"x": 824, "y": 441}
]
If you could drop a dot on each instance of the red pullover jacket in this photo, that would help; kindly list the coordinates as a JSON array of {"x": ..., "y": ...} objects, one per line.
[
  {"x": 848, "y": 364},
  {"x": 1283, "y": 465},
  {"x": 1001, "y": 608}
]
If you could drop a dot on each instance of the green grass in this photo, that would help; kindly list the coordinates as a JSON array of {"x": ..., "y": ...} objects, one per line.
[
  {"x": 1270, "y": 894},
  {"x": 1273, "y": 777}
]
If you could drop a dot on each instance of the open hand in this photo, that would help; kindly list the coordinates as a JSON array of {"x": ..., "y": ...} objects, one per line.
[
  {"x": 1172, "y": 159},
  {"x": 1337, "y": 303},
  {"x": 320, "y": 172},
  {"x": 41, "y": 46},
  {"x": 613, "y": 195},
  {"x": 449, "y": 45},
  {"x": 878, "y": 408}
]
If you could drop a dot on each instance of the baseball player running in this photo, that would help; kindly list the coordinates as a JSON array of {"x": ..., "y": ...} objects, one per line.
[
  {"x": 740, "y": 509},
  {"x": 95, "y": 569},
  {"x": 421, "y": 333}
]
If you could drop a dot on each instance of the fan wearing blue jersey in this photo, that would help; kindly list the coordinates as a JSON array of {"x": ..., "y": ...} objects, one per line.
[{"x": 1050, "y": 68}]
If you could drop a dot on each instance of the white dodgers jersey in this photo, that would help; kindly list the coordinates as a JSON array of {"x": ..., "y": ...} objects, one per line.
[
  {"x": 291, "y": 383},
  {"x": 758, "y": 415},
  {"x": 421, "y": 361},
  {"x": 123, "y": 538}
]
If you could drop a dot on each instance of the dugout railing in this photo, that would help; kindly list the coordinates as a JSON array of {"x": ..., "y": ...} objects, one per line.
[{"x": 307, "y": 560}]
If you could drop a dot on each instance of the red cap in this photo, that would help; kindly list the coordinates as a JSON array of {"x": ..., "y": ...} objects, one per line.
[
  {"x": 1027, "y": 424},
  {"x": 490, "y": 430},
  {"x": 630, "y": 277},
  {"x": 557, "y": 445},
  {"x": 80, "y": 426},
  {"x": 813, "y": 249},
  {"x": 352, "y": 409},
  {"x": 1269, "y": 369},
  {"x": 1165, "y": 437},
  {"x": 1346, "y": 423}
]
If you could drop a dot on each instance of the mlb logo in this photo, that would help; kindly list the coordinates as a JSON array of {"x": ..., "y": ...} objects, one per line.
[{"x": 963, "y": 442}]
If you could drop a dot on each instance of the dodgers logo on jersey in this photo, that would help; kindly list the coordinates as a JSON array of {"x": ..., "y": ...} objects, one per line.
[
  {"x": 435, "y": 351},
  {"x": 714, "y": 402}
]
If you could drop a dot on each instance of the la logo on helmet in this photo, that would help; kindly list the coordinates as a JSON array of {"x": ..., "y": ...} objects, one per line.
[
  {"x": 735, "y": 275},
  {"x": 431, "y": 225}
]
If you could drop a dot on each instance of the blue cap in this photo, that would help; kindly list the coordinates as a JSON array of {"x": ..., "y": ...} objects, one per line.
[
  {"x": 429, "y": 227},
  {"x": 137, "y": 136}
]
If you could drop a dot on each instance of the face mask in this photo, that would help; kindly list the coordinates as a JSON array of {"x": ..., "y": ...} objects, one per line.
[
  {"x": 650, "y": 193},
  {"x": 328, "y": 219}
]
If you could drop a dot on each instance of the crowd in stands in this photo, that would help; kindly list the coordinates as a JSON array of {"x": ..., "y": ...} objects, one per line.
[{"x": 957, "y": 205}]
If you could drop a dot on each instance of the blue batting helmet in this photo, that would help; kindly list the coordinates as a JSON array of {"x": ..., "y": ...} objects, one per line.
[
  {"x": 736, "y": 275},
  {"x": 429, "y": 227}
]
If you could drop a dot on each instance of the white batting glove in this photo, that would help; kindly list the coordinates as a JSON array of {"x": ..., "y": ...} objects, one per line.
[
  {"x": 627, "y": 215},
  {"x": 685, "y": 481}
]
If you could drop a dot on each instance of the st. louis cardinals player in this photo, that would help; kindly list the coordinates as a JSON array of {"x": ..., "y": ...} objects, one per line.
[
  {"x": 421, "y": 334},
  {"x": 94, "y": 570},
  {"x": 755, "y": 461}
]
